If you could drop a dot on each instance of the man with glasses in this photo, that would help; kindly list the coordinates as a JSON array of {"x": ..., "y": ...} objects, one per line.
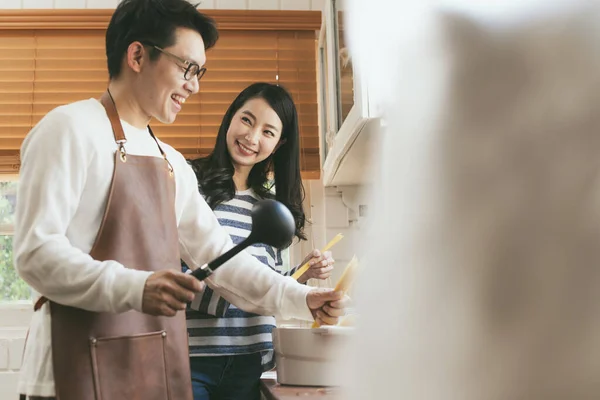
[
  {"x": 105, "y": 212},
  {"x": 190, "y": 68}
]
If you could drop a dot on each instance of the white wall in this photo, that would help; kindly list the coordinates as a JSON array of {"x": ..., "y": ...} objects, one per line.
[
  {"x": 207, "y": 4},
  {"x": 331, "y": 212},
  {"x": 14, "y": 319}
]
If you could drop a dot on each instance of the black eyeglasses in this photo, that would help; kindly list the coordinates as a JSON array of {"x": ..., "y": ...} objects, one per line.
[{"x": 191, "y": 68}]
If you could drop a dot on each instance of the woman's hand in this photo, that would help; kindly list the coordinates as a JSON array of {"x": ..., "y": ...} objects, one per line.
[
  {"x": 320, "y": 266},
  {"x": 327, "y": 306}
]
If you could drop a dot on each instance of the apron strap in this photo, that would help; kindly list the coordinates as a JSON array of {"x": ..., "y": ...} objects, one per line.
[
  {"x": 161, "y": 151},
  {"x": 111, "y": 110},
  {"x": 115, "y": 122}
]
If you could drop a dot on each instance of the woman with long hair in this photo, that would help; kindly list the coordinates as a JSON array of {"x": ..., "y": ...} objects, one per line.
[{"x": 256, "y": 156}]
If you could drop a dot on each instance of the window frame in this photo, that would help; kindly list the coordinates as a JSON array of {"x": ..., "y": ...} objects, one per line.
[{"x": 13, "y": 313}]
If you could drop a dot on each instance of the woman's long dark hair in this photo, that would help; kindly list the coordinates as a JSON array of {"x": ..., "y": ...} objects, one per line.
[{"x": 215, "y": 172}]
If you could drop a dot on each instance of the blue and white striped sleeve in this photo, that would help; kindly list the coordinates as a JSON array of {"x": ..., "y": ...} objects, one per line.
[{"x": 279, "y": 265}]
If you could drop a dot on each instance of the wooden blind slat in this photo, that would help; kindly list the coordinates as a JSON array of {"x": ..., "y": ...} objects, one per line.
[
  {"x": 212, "y": 75},
  {"x": 42, "y": 69},
  {"x": 54, "y": 99},
  {"x": 14, "y": 109},
  {"x": 14, "y": 120},
  {"x": 91, "y": 87},
  {"x": 14, "y": 132},
  {"x": 190, "y": 120},
  {"x": 58, "y": 40},
  {"x": 93, "y": 20},
  {"x": 16, "y": 54},
  {"x": 16, "y": 65},
  {"x": 227, "y": 98},
  {"x": 16, "y": 98},
  {"x": 16, "y": 86},
  {"x": 13, "y": 143}
]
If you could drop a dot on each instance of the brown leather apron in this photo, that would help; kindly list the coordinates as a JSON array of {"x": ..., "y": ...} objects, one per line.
[{"x": 107, "y": 356}]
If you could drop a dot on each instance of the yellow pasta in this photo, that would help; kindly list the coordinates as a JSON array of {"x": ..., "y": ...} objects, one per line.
[
  {"x": 331, "y": 243},
  {"x": 346, "y": 280}
]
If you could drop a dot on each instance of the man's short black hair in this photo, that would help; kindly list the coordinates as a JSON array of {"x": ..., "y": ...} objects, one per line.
[{"x": 155, "y": 22}]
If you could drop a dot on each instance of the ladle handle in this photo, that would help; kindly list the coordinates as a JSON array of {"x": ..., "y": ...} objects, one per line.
[
  {"x": 202, "y": 273},
  {"x": 206, "y": 270}
]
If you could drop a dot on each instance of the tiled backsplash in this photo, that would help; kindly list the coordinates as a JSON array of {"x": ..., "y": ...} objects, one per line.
[{"x": 14, "y": 319}]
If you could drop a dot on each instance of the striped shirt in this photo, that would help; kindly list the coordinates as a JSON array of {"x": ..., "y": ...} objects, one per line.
[{"x": 218, "y": 328}]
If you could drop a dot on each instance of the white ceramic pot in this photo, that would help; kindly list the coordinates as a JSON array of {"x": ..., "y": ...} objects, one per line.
[{"x": 309, "y": 357}]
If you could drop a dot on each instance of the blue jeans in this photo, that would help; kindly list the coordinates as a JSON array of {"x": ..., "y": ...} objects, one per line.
[{"x": 226, "y": 377}]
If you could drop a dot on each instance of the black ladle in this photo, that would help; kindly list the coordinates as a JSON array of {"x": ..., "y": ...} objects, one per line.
[{"x": 272, "y": 224}]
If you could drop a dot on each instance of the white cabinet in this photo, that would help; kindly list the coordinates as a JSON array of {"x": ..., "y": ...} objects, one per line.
[{"x": 349, "y": 120}]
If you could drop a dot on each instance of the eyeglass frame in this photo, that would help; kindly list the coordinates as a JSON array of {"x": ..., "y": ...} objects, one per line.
[{"x": 188, "y": 64}]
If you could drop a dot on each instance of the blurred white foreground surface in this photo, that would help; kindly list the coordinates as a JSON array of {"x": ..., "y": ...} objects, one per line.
[{"x": 483, "y": 275}]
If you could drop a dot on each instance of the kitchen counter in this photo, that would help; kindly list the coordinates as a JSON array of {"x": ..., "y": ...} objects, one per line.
[{"x": 271, "y": 390}]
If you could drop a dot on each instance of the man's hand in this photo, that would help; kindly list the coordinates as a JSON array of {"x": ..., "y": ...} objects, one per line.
[
  {"x": 167, "y": 292},
  {"x": 326, "y": 305},
  {"x": 321, "y": 266}
]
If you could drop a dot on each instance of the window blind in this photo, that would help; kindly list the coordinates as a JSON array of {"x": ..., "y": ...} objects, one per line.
[{"x": 42, "y": 68}]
